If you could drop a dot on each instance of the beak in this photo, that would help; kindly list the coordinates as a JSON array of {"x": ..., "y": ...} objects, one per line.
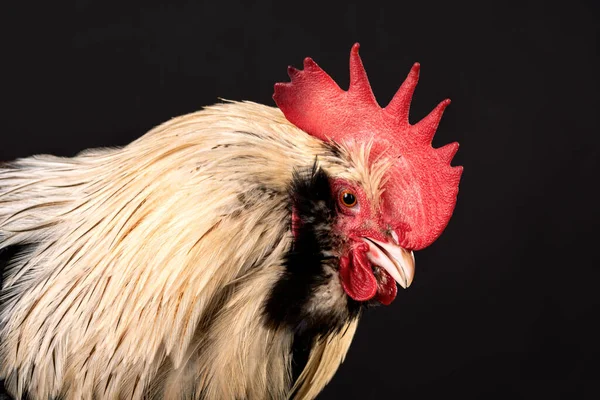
[{"x": 397, "y": 261}]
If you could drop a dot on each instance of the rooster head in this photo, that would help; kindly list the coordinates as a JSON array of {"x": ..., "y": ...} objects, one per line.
[{"x": 415, "y": 188}]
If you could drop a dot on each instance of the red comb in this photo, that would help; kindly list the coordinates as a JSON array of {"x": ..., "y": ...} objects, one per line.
[{"x": 420, "y": 193}]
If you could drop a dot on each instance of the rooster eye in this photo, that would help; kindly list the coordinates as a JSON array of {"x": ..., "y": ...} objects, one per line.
[{"x": 347, "y": 198}]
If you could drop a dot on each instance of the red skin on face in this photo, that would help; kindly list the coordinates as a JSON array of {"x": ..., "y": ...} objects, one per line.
[{"x": 353, "y": 223}]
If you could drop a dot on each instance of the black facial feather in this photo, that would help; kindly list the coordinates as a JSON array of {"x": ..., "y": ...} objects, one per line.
[{"x": 310, "y": 269}]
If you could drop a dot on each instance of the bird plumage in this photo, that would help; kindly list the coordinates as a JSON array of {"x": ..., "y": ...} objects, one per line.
[
  {"x": 154, "y": 270},
  {"x": 226, "y": 254}
]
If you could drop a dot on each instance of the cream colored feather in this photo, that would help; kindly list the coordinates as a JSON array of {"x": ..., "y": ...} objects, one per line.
[{"x": 150, "y": 263}]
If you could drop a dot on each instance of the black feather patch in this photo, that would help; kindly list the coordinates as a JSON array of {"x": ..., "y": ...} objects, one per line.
[{"x": 309, "y": 266}]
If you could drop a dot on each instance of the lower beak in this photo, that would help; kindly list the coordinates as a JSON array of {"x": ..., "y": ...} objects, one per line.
[{"x": 397, "y": 261}]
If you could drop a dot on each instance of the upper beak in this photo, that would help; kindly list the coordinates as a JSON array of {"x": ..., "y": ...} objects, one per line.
[{"x": 397, "y": 261}]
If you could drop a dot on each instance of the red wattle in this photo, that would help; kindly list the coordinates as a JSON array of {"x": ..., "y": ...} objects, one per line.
[
  {"x": 387, "y": 290},
  {"x": 358, "y": 280}
]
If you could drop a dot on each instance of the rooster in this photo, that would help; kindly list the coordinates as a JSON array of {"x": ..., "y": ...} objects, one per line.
[{"x": 225, "y": 254}]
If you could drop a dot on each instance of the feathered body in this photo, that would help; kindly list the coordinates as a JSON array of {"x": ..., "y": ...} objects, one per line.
[
  {"x": 172, "y": 244},
  {"x": 226, "y": 254}
]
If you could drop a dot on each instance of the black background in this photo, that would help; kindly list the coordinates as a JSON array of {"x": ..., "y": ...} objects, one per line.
[{"x": 505, "y": 303}]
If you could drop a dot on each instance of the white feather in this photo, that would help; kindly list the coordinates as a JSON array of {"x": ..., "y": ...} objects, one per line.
[{"x": 135, "y": 247}]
